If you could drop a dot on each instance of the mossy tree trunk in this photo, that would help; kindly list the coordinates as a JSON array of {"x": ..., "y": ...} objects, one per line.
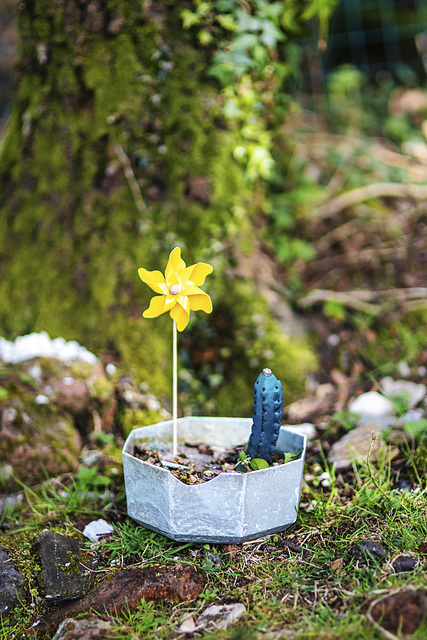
[{"x": 116, "y": 150}]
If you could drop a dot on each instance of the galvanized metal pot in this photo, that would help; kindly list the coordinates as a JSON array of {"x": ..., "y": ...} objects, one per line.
[{"x": 230, "y": 508}]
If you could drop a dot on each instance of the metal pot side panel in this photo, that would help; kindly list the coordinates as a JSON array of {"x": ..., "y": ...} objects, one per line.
[{"x": 230, "y": 508}]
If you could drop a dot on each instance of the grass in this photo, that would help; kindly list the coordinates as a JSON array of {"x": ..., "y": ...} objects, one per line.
[{"x": 303, "y": 584}]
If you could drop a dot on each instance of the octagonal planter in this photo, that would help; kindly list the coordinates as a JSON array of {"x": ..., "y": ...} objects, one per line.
[{"x": 230, "y": 508}]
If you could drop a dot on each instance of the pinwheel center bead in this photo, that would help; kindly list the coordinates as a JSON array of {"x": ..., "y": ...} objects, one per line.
[{"x": 175, "y": 289}]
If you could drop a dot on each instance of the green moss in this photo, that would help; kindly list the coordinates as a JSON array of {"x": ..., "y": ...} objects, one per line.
[
  {"x": 139, "y": 418},
  {"x": 20, "y": 547},
  {"x": 72, "y": 235}
]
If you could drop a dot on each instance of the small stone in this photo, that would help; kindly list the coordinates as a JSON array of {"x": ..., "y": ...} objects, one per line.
[
  {"x": 368, "y": 550},
  {"x": 403, "y": 485},
  {"x": 305, "y": 429},
  {"x": 213, "y": 560},
  {"x": 97, "y": 529},
  {"x": 232, "y": 550},
  {"x": 85, "y": 629},
  {"x": 402, "y": 564},
  {"x": 372, "y": 404},
  {"x": 11, "y": 584},
  {"x": 356, "y": 444},
  {"x": 187, "y": 625},
  {"x": 220, "y": 616},
  {"x": 411, "y": 392}
]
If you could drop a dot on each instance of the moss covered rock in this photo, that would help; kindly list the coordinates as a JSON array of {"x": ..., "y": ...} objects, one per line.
[
  {"x": 117, "y": 150},
  {"x": 37, "y": 442}
]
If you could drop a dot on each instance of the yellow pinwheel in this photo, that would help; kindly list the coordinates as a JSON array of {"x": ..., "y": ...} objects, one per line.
[{"x": 179, "y": 289}]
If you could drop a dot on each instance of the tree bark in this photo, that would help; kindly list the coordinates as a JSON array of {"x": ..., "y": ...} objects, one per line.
[{"x": 116, "y": 150}]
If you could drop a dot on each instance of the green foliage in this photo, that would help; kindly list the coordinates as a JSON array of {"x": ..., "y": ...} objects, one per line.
[
  {"x": 251, "y": 464},
  {"x": 143, "y": 619},
  {"x": 398, "y": 339},
  {"x": 96, "y": 185},
  {"x": 254, "y": 62},
  {"x": 88, "y": 478},
  {"x": 130, "y": 542},
  {"x": 259, "y": 463},
  {"x": 346, "y": 419},
  {"x": 290, "y": 457}
]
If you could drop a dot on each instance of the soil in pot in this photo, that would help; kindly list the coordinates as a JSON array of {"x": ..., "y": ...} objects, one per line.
[{"x": 196, "y": 463}]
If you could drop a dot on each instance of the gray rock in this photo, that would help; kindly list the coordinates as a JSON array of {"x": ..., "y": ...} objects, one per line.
[
  {"x": 356, "y": 444},
  {"x": 220, "y": 616},
  {"x": 86, "y": 629},
  {"x": 402, "y": 564},
  {"x": 63, "y": 575},
  {"x": 304, "y": 429},
  {"x": 11, "y": 584},
  {"x": 368, "y": 550},
  {"x": 411, "y": 392},
  {"x": 35, "y": 441},
  {"x": 372, "y": 404},
  {"x": 413, "y": 415}
]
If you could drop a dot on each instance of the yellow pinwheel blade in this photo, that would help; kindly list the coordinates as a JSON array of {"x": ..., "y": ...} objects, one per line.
[
  {"x": 196, "y": 273},
  {"x": 181, "y": 317},
  {"x": 156, "y": 308},
  {"x": 200, "y": 302},
  {"x": 174, "y": 267},
  {"x": 155, "y": 280}
]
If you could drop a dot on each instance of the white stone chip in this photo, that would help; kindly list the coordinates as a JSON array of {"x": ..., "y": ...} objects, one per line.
[
  {"x": 96, "y": 529},
  {"x": 40, "y": 345},
  {"x": 372, "y": 404},
  {"x": 304, "y": 429}
]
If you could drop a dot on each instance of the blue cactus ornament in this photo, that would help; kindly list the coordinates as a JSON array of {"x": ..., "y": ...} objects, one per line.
[{"x": 267, "y": 416}]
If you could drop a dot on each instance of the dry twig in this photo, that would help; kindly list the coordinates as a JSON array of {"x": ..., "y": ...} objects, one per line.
[
  {"x": 363, "y": 300},
  {"x": 377, "y": 190}
]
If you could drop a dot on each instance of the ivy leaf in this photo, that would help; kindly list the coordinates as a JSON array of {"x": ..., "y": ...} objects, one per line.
[
  {"x": 189, "y": 19},
  {"x": 259, "y": 463},
  {"x": 416, "y": 428},
  {"x": 3, "y": 393},
  {"x": 289, "y": 457},
  {"x": 271, "y": 34},
  {"x": 246, "y": 22},
  {"x": 244, "y": 42},
  {"x": 205, "y": 37},
  {"x": 227, "y": 22}
]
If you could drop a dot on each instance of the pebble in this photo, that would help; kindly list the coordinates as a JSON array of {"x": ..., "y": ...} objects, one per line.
[
  {"x": 368, "y": 550},
  {"x": 221, "y": 616},
  {"x": 372, "y": 404},
  {"x": 411, "y": 392},
  {"x": 212, "y": 560},
  {"x": 97, "y": 529},
  {"x": 402, "y": 564},
  {"x": 356, "y": 444},
  {"x": 305, "y": 429},
  {"x": 87, "y": 629},
  {"x": 12, "y": 584},
  {"x": 403, "y": 485}
]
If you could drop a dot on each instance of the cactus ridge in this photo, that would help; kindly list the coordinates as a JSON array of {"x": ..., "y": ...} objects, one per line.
[{"x": 267, "y": 416}]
